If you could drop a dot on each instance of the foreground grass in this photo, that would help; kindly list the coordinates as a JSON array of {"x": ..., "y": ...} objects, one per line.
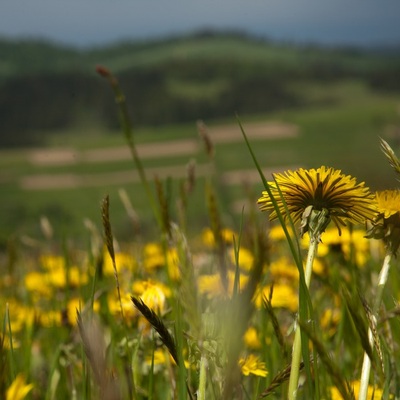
[
  {"x": 70, "y": 329},
  {"x": 208, "y": 311}
]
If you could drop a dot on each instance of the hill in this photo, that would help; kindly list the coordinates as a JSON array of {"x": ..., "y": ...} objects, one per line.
[{"x": 47, "y": 88}]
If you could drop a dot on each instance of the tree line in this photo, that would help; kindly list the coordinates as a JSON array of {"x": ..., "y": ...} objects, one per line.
[{"x": 37, "y": 102}]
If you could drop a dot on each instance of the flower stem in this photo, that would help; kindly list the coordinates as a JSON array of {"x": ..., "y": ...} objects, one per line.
[
  {"x": 366, "y": 368},
  {"x": 201, "y": 394},
  {"x": 296, "y": 351}
]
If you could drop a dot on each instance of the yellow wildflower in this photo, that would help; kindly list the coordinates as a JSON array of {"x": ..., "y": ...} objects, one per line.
[
  {"x": 209, "y": 239},
  {"x": 283, "y": 296},
  {"x": 373, "y": 392},
  {"x": 252, "y": 365},
  {"x": 251, "y": 338},
  {"x": 18, "y": 389},
  {"x": 211, "y": 285},
  {"x": 317, "y": 196}
]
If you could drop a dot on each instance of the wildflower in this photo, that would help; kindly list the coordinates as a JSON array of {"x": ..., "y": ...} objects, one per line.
[
  {"x": 212, "y": 285},
  {"x": 246, "y": 258},
  {"x": 352, "y": 245},
  {"x": 153, "y": 256},
  {"x": 50, "y": 262},
  {"x": 114, "y": 305},
  {"x": 251, "y": 338},
  {"x": 20, "y": 316},
  {"x": 372, "y": 393},
  {"x": 153, "y": 294},
  {"x": 209, "y": 239},
  {"x": 123, "y": 261},
  {"x": 77, "y": 304},
  {"x": 57, "y": 277},
  {"x": 18, "y": 388},
  {"x": 317, "y": 196},
  {"x": 252, "y": 365},
  {"x": 283, "y": 296},
  {"x": 387, "y": 224},
  {"x": 37, "y": 283}
]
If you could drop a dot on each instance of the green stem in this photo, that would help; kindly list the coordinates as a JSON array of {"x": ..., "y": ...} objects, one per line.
[
  {"x": 366, "y": 368},
  {"x": 296, "y": 352},
  {"x": 201, "y": 394}
]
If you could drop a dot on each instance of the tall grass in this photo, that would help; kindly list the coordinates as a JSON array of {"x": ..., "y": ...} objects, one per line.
[{"x": 211, "y": 316}]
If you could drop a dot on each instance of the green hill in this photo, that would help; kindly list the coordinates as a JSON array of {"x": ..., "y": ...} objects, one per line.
[{"x": 47, "y": 88}]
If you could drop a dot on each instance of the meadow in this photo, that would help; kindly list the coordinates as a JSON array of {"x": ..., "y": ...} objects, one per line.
[
  {"x": 234, "y": 258},
  {"x": 343, "y": 133}
]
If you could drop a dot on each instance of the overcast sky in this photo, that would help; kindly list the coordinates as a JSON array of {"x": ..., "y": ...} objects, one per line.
[{"x": 96, "y": 22}]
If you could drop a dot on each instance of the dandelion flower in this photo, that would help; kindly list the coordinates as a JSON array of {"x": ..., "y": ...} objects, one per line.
[
  {"x": 252, "y": 365},
  {"x": 386, "y": 225},
  {"x": 372, "y": 393},
  {"x": 251, "y": 338},
  {"x": 317, "y": 196},
  {"x": 18, "y": 389}
]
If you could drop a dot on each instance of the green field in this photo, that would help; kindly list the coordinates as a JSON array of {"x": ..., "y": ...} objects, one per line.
[{"x": 343, "y": 133}]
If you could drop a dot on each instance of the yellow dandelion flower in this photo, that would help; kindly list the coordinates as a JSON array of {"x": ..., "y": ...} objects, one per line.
[
  {"x": 283, "y": 269},
  {"x": 123, "y": 261},
  {"x": 246, "y": 258},
  {"x": 76, "y": 304},
  {"x": 18, "y": 389},
  {"x": 211, "y": 285},
  {"x": 20, "y": 315},
  {"x": 317, "y": 196},
  {"x": 50, "y": 261},
  {"x": 251, "y": 338},
  {"x": 49, "y": 318},
  {"x": 387, "y": 224},
  {"x": 209, "y": 239},
  {"x": 153, "y": 294},
  {"x": 153, "y": 256},
  {"x": 388, "y": 202},
  {"x": 57, "y": 277},
  {"x": 252, "y": 365},
  {"x": 283, "y": 296},
  {"x": 37, "y": 283},
  {"x": 114, "y": 305},
  {"x": 372, "y": 393}
]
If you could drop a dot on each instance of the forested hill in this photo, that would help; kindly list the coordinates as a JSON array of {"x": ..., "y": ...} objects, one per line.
[{"x": 46, "y": 87}]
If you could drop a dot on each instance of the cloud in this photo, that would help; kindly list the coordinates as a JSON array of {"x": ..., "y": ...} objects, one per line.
[{"x": 87, "y": 22}]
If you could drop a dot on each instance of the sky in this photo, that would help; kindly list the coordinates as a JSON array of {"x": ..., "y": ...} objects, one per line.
[{"x": 88, "y": 23}]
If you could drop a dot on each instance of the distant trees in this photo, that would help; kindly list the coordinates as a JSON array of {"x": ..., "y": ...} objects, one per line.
[{"x": 55, "y": 95}]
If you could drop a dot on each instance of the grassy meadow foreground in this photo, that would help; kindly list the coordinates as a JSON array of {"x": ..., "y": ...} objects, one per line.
[{"x": 212, "y": 311}]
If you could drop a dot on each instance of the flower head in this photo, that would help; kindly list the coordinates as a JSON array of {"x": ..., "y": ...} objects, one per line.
[
  {"x": 18, "y": 389},
  {"x": 317, "y": 196},
  {"x": 373, "y": 392},
  {"x": 252, "y": 365},
  {"x": 386, "y": 225}
]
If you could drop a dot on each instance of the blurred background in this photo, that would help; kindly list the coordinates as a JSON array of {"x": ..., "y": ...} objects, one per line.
[{"x": 313, "y": 82}]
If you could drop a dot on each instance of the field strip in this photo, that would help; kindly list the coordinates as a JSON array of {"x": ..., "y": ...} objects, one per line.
[
  {"x": 73, "y": 181},
  {"x": 218, "y": 135}
]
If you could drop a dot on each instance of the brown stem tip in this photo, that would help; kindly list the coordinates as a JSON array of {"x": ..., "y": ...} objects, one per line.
[{"x": 103, "y": 71}]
